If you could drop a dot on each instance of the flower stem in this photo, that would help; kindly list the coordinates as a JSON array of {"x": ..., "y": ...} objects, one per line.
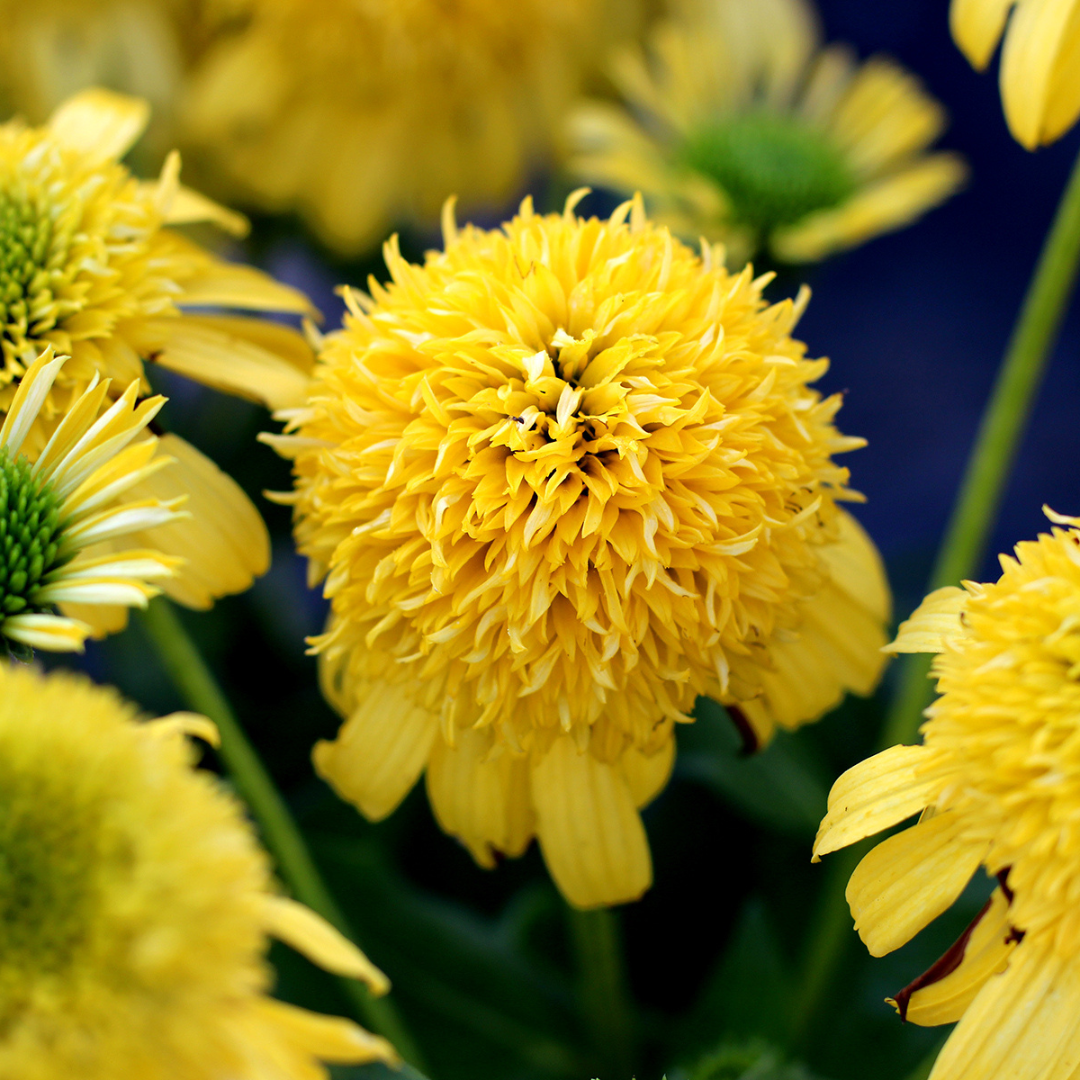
[
  {"x": 988, "y": 468},
  {"x": 191, "y": 675},
  {"x": 603, "y": 988}
]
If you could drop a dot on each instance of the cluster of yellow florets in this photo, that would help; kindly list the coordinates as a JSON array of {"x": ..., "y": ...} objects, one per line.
[{"x": 563, "y": 478}]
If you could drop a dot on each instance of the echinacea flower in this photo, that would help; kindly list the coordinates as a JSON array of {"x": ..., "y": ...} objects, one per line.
[
  {"x": 88, "y": 266},
  {"x": 136, "y": 906},
  {"x": 996, "y": 783},
  {"x": 1040, "y": 61},
  {"x": 361, "y": 116},
  {"x": 561, "y": 479},
  {"x": 739, "y": 127},
  {"x": 63, "y": 512}
]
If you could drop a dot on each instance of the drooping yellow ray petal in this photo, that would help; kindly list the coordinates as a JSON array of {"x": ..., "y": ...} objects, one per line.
[
  {"x": 99, "y": 123},
  {"x": 934, "y": 622}
]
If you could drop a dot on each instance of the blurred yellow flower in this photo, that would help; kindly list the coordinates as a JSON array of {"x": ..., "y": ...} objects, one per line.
[
  {"x": 88, "y": 267},
  {"x": 363, "y": 115},
  {"x": 59, "y": 513},
  {"x": 1040, "y": 62},
  {"x": 741, "y": 128},
  {"x": 995, "y": 783},
  {"x": 136, "y": 906},
  {"x": 561, "y": 479}
]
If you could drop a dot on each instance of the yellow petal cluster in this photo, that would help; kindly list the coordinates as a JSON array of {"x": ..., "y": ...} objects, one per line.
[
  {"x": 995, "y": 783},
  {"x": 89, "y": 267},
  {"x": 65, "y": 511},
  {"x": 136, "y": 906},
  {"x": 737, "y": 125},
  {"x": 1040, "y": 61},
  {"x": 561, "y": 479},
  {"x": 360, "y": 116}
]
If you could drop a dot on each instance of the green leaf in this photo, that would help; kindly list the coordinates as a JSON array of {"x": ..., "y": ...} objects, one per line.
[{"x": 778, "y": 787}]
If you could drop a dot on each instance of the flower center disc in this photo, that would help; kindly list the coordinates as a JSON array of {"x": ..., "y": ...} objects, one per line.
[
  {"x": 30, "y": 535},
  {"x": 775, "y": 170},
  {"x": 26, "y": 238}
]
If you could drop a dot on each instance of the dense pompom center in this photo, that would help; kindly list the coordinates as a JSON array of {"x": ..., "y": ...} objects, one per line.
[{"x": 774, "y": 169}]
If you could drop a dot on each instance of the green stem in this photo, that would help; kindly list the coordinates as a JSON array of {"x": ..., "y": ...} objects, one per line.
[
  {"x": 189, "y": 672},
  {"x": 1003, "y": 422},
  {"x": 602, "y": 987},
  {"x": 1029, "y": 349}
]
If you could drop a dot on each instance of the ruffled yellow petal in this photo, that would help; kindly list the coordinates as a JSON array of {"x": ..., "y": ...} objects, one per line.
[
  {"x": 984, "y": 951},
  {"x": 589, "y": 829},
  {"x": 882, "y": 206},
  {"x": 977, "y": 26},
  {"x": 100, "y": 123},
  {"x": 480, "y": 799},
  {"x": 380, "y": 750},
  {"x": 909, "y": 879},
  {"x": 313, "y": 936},
  {"x": 873, "y": 795},
  {"x": 1021, "y": 1024},
  {"x": 1040, "y": 70},
  {"x": 933, "y": 623},
  {"x": 223, "y": 540}
]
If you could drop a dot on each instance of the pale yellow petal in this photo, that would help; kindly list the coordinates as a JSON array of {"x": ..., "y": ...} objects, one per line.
[
  {"x": 53, "y": 633},
  {"x": 100, "y": 123},
  {"x": 648, "y": 774},
  {"x": 223, "y": 540},
  {"x": 248, "y": 357},
  {"x": 472, "y": 794},
  {"x": 330, "y": 1038},
  {"x": 855, "y": 566},
  {"x": 101, "y": 619},
  {"x": 977, "y": 26},
  {"x": 380, "y": 750},
  {"x": 986, "y": 952},
  {"x": 187, "y": 724},
  {"x": 590, "y": 832},
  {"x": 320, "y": 942},
  {"x": 934, "y": 622},
  {"x": 909, "y": 879},
  {"x": 187, "y": 207},
  {"x": 1040, "y": 70},
  {"x": 880, "y": 207},
  {"x": 1022, "y": 1023},
  {"x": 879, "y": 792}
]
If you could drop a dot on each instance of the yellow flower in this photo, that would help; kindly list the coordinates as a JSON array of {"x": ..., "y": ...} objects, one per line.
[
  {"x": 1040, "y": 63},
  {"x": 60, "y": 518},
  {"x": 51, "y": 49},
  {"x": 996, "y": 784},
  {"x": 88, "y": 267},
  {"x": 136, "y": 906},
  {"x": 562, "y": 479},
  {"x": 739, "y": 127},
  {"x": 362, "y": 115}
]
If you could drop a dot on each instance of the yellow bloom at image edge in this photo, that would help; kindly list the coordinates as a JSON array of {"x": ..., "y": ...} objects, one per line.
[
  {"x": 561, "y": 479},
  {"x": 994, "y": 783},
  {"x": 1040, "y": 60},
  {"x": 135, "y": 906}
]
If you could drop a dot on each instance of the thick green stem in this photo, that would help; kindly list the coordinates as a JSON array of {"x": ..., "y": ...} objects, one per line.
[
  {"x": 189, "y": 672},
  {"x": 1002, "y": 426},
  {"x": 603, "y": 988}
]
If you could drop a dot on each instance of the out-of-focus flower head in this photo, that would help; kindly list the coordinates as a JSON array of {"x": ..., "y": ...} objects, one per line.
[
  {"x": 60, "y": 512},
  {"x": 1040, "y": 62},
  {"x": 89, "y": 267},
  {"x": 561, "y": 479},
  {"x": 739, "y": 127},
  {"x": 996, "y": 784},
  {"x": 360, "y": 116},
  {"x": 136, "y": 906}
]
